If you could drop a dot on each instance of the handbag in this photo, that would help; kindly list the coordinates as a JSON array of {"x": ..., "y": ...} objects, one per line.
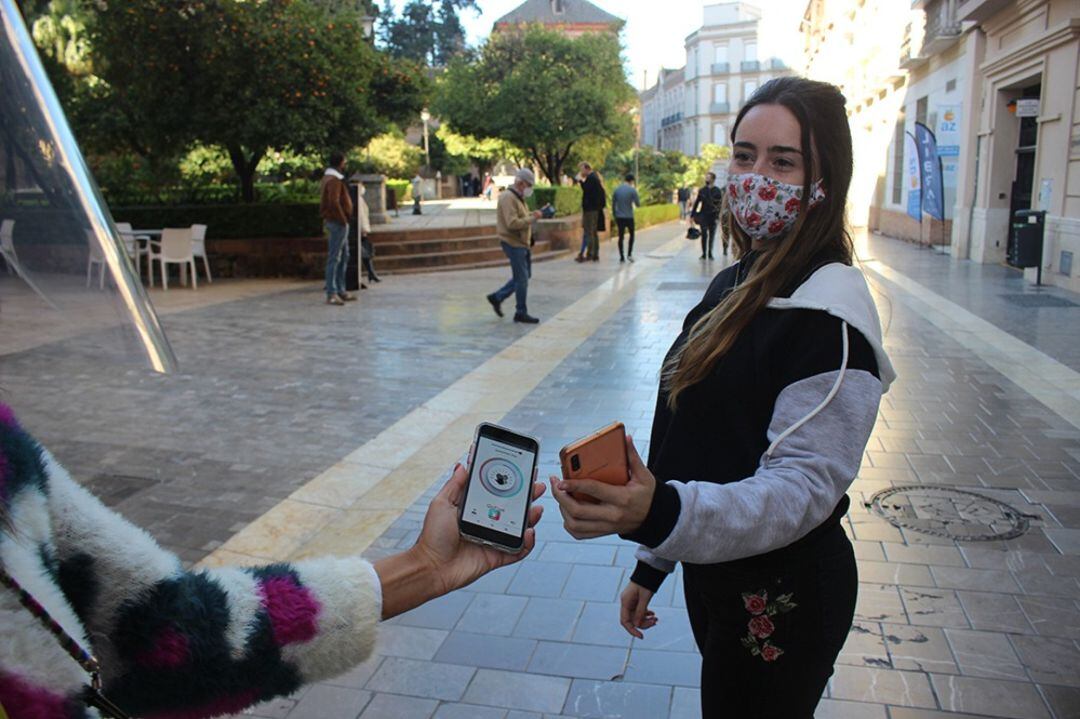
[
  {"x": 601, "y": 222},
  {"x": 693, "y": 233}
]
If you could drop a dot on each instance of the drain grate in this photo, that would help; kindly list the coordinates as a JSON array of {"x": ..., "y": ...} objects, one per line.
[
  {"x": 1038, "y": 300},
  {"x": 950, "y": 513},
  {"x": 682, "y": 287}
]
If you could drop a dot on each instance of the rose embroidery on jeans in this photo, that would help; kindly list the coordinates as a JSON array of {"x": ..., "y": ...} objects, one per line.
[{"x": 760, "y": 627}]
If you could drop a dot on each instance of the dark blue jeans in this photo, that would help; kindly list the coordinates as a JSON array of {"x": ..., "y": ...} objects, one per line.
[
  {"x": 337, "y": 256},
  {"x": 521, "y": 265}
]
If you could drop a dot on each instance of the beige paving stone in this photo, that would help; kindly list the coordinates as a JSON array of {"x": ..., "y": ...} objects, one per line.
[
  {"x": 1052, "y": 616},
  {"x": 988, "y": 580},
  {"x": 912, "y": 575},
  {"x": 908, "y": 713},
  {"x": 840, "y": 709},
  {"x": 884, "y": 686},
  {"x": 934, "y": 607},
  {"x": 879, "y": 603},
  {"x": 985, "y": 654},
  {"x": 918, "y": 648},
  {"x": 1049, "y": 660},
  {"x": 945, "y": 556},
  {"x": 989, "y": 697},
  {"x": 995, "y": 612},
  {"x": 864, "y": 646}
]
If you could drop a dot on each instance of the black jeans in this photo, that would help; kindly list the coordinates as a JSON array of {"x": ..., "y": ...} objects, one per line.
[
  {"x": 769, "y": 634},
  {"x": 625, "y": 224},
  {"x": 708, "y": 234}
]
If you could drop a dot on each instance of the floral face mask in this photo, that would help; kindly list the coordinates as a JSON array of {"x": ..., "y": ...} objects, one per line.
[{"x": 766, "y": 208}]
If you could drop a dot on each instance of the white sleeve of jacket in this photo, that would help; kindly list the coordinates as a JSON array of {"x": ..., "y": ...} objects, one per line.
[
  {"x": 794, "y": 490},
  {"x": 644, "y": 554}
]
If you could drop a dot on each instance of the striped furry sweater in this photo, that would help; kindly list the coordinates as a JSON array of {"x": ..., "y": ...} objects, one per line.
[{"x": 172, "y": 643}]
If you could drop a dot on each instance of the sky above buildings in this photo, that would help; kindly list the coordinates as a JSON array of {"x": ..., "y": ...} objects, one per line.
[{"x": 656, "y": 29}]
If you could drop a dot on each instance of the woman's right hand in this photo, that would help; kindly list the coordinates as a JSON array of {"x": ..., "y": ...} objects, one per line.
[{"x": 634, "y": 614}]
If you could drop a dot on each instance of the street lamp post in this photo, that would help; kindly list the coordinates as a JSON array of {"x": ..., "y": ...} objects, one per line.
[{"x": 425, "y": 116}]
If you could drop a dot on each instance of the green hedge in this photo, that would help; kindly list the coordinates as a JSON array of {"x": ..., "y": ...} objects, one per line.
[
  {"x": 228, "y": 222},
  {"x": 565, "y": 200},
  {"x": 402, "y": 190},
  {"x": 655, "y": 214}
]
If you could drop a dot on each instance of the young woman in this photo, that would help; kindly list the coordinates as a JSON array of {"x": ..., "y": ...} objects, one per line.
[
  {"x": 768, "y": 397},
  {"x": 77, "y": 580}
]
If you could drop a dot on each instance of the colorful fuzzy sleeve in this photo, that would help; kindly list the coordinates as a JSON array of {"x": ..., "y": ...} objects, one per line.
[{"x": 190, "y": 644}]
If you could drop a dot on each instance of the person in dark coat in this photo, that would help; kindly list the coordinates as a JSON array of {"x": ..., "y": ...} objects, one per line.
[{"x": 706, "y": 213}]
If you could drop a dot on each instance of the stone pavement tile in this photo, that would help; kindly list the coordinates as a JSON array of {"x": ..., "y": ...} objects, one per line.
[
  {"x": 923, "y": 649},
  {"x": 882, "y": 686},
  {"x": 514, "y": 690},
  {"x": 1067, "y": 541},
  {"x": 515, "y": 714},
  {"x": 1052, "y": 616},
  {"x": 868, "y": 550},
  {"x": 599, "y": 624},
  {"x": 909, "y": 713},
  {"x": 578, "y": 553},
  {"x": 1044, "y": 582},
  {"x": 617, "y": 699},
  {"x": 494, "y": 582},
  {"x": 1064, "y": 701},
  {"x": 995, "y": 612},
  {"x": 945, "y": 556},
  {"x": 991, "y": 697},
  {"x": 865, "y": 646},
  {"x": 430, "y": 680},
  {"x": 592, "y": 583},
  {"x": 399, "y": 640},
  {"x": 1049, "y": 660},
  {"x": 686, "y": 704},
  {"x": 1063, "y": 566},
  {"x": 468, "y": 711},
  {"x": 274, "y": 709},
  {"x": 323, "y": 701},
  {"x": 672, "y": 632},
  {"x": 912, "y": 575},
  {"x": 441, "y": 613},
  {"x": 979, "y": 557},
  {"x": 985, "y": 654},
  {"x": 485, "y": 650},
  {"x": 540, "y": 579},
  {"x": 553, "y": 619},
  {"x": 392, "y": 706},
  {"x": 879, "y": 603},
  {"x": 987, "y": 580},
  {"x": 578, "y": 661},
  {"x": 934, "y": 607},
  {"x": 649, "y": 666},
  {"x": 840, "y": 709},
  {"x": 359, "y": 675},
  {"x": 492, "y": 614}
]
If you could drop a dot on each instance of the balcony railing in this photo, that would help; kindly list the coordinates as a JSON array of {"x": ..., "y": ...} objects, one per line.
[
  {"x": 719, "y": 108},
  {"x": 777, "y": 64},
  {"x": 671, "y": 120},
  {"x": 942, "y": 27},
  {"x": 750, "y": 65},
  {"x": 721, "y": 68}
]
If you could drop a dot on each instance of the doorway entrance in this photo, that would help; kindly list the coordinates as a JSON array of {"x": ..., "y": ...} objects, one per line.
[{"x": 1024, "y": 180}]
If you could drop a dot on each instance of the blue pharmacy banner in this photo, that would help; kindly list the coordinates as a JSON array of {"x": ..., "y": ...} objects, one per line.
[{"x": 933, "y": 186}]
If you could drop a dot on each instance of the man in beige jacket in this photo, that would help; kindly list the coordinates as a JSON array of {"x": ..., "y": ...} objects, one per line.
[{"x": 513, "y": 225}]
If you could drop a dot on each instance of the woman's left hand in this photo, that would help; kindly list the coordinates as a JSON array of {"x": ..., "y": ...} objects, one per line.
[
  {"x": 456, "y": 562},
  {"x": 619, "y": 510}
]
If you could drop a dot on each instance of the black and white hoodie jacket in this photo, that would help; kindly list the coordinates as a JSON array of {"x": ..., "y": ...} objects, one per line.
[{"x": 755, "y": 462}]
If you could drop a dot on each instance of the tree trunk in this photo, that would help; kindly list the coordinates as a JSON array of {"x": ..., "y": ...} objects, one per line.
[{"x": 245, "y": 170}]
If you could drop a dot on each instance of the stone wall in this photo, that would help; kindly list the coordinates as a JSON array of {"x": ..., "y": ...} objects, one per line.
[{"x": 902, "y": 226}]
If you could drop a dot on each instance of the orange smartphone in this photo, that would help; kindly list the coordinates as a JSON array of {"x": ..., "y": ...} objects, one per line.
[{"x": 600, "y": 456}]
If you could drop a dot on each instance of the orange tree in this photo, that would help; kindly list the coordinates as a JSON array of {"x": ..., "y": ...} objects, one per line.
[{"x": 244, "y": 75}]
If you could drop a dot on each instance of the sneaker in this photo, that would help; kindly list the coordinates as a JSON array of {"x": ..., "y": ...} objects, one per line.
[
  {"x": 526, "y": 318},
  {"x": 711, "y": 257},
  {"x": 630, "y": 258},
  {"x": 596, "y": 259},
  {"x": 579, "y": 258},
  {"x": 495, "y": 304},
  {"x": 334, "y": 300},
  {"x": 347, "y": 296},
  {"x": 702, "y": 257},
  {"x": 623, "y": 259}
]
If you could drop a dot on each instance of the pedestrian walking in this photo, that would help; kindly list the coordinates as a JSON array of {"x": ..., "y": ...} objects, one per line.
[
  {"x": 336, "y": 208},
  {"x": 367, "y": 250},
  {"x": 513, "y": 225},
  {"x": 766, "y": 403},
  {"x": 623, "y": 201},
  {"x": 417, "y": 191},
  {"x": 706, "y": 213},
  {"x": 683, "y": 196},
  {"x": 593, "y": 201}
]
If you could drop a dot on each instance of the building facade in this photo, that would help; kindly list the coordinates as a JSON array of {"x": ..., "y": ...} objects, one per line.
[
  {"x": 696, "y": 104},
  {"x": 571, "y": 17}
]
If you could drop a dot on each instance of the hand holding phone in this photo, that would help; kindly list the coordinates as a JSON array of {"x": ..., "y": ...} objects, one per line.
[
  {"x": 502, "y": 472},
  {"x": 600, "y": 456}
]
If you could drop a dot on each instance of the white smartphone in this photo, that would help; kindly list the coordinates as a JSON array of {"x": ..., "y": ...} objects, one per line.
[{"x": 502, "y": 470}]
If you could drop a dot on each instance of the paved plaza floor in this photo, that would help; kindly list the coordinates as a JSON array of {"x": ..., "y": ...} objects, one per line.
[
  {"x": 453, "y": 212},
  {"x": 294, "y": 428}
]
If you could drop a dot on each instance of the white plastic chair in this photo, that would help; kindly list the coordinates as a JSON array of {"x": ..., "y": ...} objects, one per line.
[
  {"x": 136, "y": 250},
  {"x": 174, "y": 249},
  {"x": 198, "y": 247},
  {"x": 95, "y": 258}
]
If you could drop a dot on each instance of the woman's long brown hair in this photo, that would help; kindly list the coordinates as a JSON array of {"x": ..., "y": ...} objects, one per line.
[{"x": 819, "y": 233}]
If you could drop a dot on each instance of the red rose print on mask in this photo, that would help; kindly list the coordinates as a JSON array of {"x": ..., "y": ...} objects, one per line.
[
  {"x": 755, "y": 603},
  {"x": 753, "y": 219},
  {"x": 792, "y": 205},
  {"x": 767, "y": 192},
  {"x": 761, "y": 626},
  {"x": 748, "y": 184},
  {"x": 776, "y": 226}
]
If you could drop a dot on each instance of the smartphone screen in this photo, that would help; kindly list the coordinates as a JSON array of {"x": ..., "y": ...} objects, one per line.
[{"x": 500, "y": 486}]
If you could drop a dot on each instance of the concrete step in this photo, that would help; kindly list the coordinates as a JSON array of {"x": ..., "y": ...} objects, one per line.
[
  {"x": 425, "y": 247},
  {"x": 432, "y": 233}
]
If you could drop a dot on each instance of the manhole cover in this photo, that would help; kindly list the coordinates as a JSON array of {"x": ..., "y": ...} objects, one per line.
[
  {"x": 682, "y": 287},
  {"x": 1039, "y": 300},
  {"x": 950, "y": 513}
]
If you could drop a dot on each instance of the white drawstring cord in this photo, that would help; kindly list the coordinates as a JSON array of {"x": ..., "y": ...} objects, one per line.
[{"x": 828, "y": 398}]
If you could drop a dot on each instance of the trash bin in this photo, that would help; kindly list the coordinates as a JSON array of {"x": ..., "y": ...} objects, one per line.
[{"x": 1027, "y": 244}]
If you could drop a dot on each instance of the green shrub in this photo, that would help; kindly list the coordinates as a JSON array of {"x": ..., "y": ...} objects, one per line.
[
  {"x": 655, "y": 214},
  {"x": 402, "y": 190},
  {"x": 231, "y": 221},
  {"x": 565, "y": 200}
]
